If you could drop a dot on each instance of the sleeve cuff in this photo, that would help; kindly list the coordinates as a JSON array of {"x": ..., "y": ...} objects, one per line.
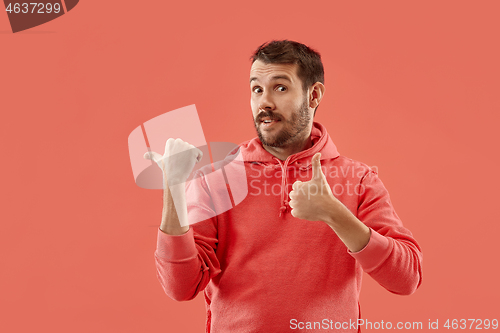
[
  {"x": 174, "y": 248},
  {"x": 374, "y": 253}
]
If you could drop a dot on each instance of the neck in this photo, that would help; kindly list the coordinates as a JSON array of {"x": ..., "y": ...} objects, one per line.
[{"x": 284, "y": 152}]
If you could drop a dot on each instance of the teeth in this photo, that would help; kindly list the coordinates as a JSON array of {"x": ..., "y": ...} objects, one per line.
[{"x": 267, "y": 121}]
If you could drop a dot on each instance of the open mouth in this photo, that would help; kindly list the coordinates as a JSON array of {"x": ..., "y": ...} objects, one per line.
[{"x": 267, "y": 121}]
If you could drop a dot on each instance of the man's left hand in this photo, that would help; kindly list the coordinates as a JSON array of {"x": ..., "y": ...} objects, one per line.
[{"x": 313, "y": 200}]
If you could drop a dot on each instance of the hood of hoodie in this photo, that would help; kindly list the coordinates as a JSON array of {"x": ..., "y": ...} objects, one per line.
[{"x": 252, "y": 151}]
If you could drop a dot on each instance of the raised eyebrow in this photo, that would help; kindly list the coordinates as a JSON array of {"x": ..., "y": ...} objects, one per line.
[
  {"x": 285, "y": 77},
  {"x": 276, "y": 77}
]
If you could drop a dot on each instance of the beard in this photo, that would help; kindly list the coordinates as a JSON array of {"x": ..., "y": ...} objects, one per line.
[{"x": 292, "y": 127}]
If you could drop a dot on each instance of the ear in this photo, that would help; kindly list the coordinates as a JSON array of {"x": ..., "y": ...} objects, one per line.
[{"x": 317, "y": 91}]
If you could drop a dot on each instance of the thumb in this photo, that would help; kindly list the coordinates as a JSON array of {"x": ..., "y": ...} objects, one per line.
[
  {"x": 317, "y": 173},
  {"x": 151, "y": 155}
]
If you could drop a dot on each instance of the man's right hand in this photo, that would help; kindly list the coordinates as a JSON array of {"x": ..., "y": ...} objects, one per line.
[{"x": 177, "y": 162}]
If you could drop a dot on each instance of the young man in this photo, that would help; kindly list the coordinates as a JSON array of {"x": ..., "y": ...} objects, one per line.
[{"x": 291, "y": 258}]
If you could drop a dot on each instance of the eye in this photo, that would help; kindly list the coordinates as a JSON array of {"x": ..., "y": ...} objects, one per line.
[
  {"x": 281, "y": 88},
  {"x": 257, "y": 89}
]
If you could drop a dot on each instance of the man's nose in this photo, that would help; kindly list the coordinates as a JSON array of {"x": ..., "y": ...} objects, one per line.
[{"x": 266, "y": 101}]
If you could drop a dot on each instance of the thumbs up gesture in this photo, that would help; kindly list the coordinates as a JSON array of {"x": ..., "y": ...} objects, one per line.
[{"x": 312, "y": 200}]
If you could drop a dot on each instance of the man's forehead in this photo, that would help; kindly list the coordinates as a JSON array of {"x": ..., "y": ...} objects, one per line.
[{"x": 261, "y": 70}]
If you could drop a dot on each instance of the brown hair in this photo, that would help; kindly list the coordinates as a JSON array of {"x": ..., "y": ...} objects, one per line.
[{"x": 310, "y": 68}]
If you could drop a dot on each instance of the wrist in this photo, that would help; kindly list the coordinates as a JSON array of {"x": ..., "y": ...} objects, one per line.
[
  {"x": 333, "y": 212},
  {"x": 175, "y": 231}
]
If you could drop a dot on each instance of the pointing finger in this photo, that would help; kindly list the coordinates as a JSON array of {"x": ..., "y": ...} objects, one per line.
[{"x": 151, "y": 155}]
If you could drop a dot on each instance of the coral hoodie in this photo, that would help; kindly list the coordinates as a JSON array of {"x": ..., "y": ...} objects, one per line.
[{"x": 263, "y": 270}]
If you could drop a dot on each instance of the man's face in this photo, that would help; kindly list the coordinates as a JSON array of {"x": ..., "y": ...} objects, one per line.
[{"x": 279, "y": 105}]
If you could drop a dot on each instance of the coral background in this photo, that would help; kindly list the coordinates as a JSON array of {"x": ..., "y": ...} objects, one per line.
[{"x": 412, "y": 88}]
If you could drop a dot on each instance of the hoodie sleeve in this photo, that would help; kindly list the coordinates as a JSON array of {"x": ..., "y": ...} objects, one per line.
[
  {"x": 392, "y": 256},
  {"x": 186, "y": 263}
]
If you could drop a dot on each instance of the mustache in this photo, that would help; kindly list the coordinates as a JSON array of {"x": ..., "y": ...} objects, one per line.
[{"x": 270, "y": 114}]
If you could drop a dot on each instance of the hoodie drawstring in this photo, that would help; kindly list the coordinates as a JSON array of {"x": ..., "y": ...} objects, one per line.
[{"x": 284, "y": 187}]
